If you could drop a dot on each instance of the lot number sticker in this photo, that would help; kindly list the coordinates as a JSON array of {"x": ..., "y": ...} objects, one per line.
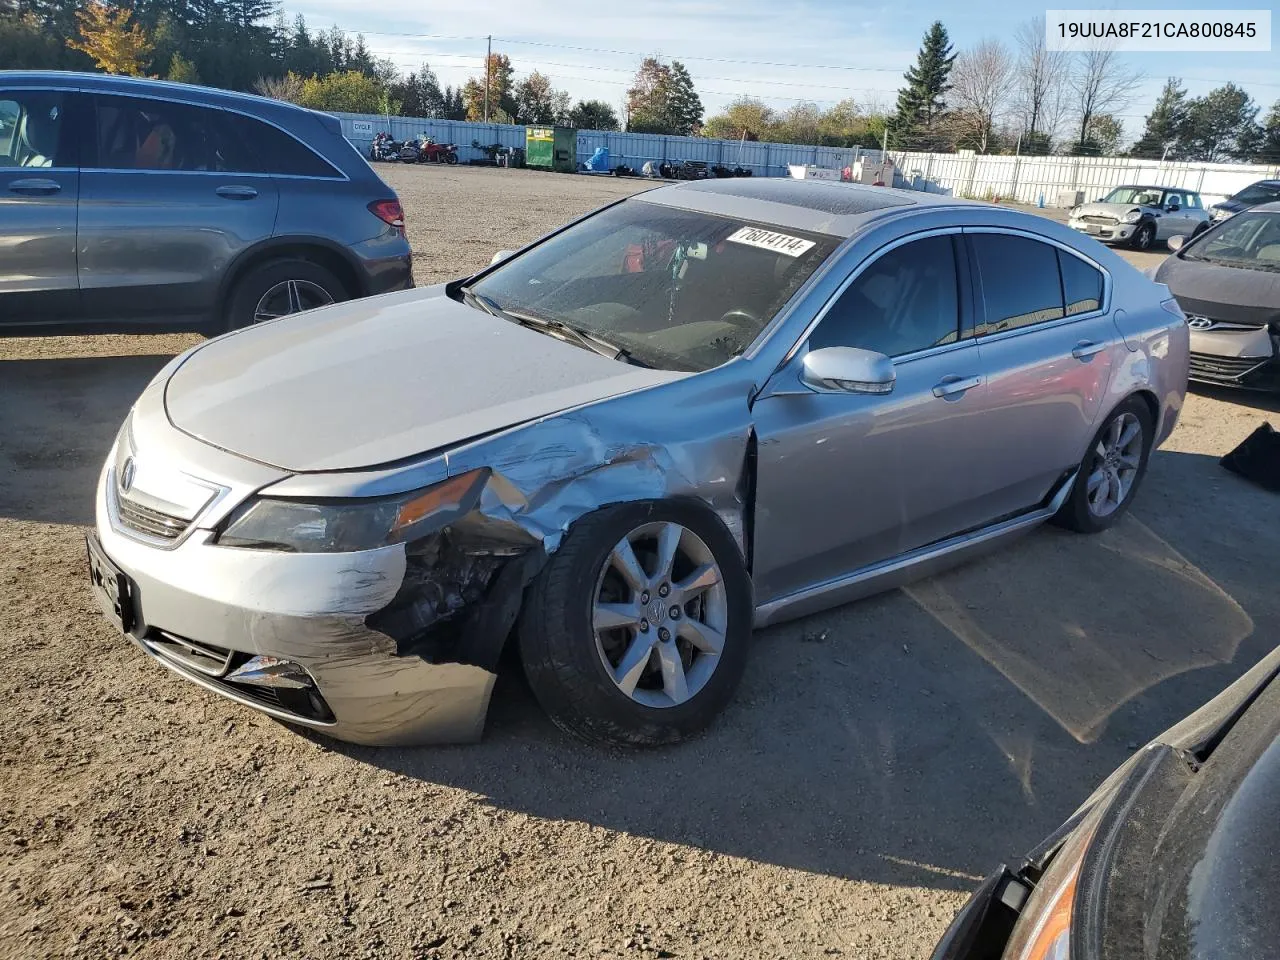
[{"x": 767, "y": 240}]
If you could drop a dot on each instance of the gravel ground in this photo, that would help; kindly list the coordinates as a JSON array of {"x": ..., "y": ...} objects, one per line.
[{"x": 878, "y": 759}]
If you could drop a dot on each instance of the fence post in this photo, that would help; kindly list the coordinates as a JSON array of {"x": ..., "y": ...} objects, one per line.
[
  {"x": 1200, "y": 184},
  {"x": 1013, "y": 189},
  {"x": 928, "y": 172},
  {"x": 1075, "y": 175},
  {"x": 766, "y": 159}
]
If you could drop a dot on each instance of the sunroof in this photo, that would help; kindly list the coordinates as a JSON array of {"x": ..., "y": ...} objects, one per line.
[{"x": 827, "y": 197}]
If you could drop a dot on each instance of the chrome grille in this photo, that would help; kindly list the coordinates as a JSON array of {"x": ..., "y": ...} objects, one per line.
[
  {"x": 147, "y": 521},
  {"x": 1094, "y": 218},
  {"x": 1208, "y": 366},
  {"x": 208, "y": 659}
]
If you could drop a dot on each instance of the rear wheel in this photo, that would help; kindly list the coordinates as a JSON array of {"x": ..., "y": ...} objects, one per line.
[
  {"x": 1144, "y": 237},
  {"x": 1112, "y": 469},
  {"x": 636, "y": 632},
  {"x": 279, "y": 288},
  {"x": 451, "y": 158}
]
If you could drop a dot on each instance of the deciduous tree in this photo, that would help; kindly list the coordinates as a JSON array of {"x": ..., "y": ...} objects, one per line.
[
  {"x": 593, "y": 115},
  {"x": 108, "y": 35},
  {"x": 979, "y": 93}
]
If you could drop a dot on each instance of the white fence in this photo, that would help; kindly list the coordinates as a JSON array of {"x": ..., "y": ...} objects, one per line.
[
  {"x": 633, "y": 149},
  {"x": 1027, "y": 179}
]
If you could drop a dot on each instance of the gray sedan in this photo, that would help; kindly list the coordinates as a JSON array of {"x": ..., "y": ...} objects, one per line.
[{"x": 706, "y": 408}]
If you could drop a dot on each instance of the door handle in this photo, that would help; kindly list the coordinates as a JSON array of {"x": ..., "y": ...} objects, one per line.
[
  {"x": 236, "y": 193},
  {"x": 954, "y": 386},
  {"x": 35, "y": 186},
  {"x": 1086, "y": 350}
]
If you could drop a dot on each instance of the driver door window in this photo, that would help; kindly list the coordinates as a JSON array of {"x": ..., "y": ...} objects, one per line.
[{"x": 904, "y": 302}]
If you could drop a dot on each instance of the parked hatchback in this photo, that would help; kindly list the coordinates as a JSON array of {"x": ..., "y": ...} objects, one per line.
[
  {"x": 1140, "y": 216},
  {"x": 138, "y": 205},
  {"x": 705, "y": 408}
]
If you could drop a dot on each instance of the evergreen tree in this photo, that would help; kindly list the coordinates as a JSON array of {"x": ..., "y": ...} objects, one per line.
[
  {"x": 921, "y": 101},
  {"x": 684, "y": 106},
  {"x": 1221, "y": 125},
  {"x": 1267, "y": 148},
  {"x": 593, "y": 115},
  {"x": 1165, "y": 123}
]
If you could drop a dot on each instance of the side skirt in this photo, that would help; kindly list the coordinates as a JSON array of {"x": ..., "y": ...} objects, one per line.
[{"x": 918, "y": 563}]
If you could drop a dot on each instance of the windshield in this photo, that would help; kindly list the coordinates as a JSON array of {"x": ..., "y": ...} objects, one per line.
[
  {"x": 1259, "y": 193},
  {"x": 1144, "y": 196},
  {"x": 1246, "y": 240},
  {"x": 672, "y": 288}
]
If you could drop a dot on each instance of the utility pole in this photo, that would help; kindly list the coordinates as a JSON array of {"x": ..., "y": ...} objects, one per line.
[
  {"x": 488, "y": 58},
  {"x": 884, "y": 143}
]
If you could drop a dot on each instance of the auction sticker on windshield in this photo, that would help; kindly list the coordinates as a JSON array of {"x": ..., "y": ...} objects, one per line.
[{"x": 768, "y": 240}]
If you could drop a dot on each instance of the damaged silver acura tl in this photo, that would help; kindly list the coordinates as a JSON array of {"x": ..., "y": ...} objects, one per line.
[{"x": 706, "y": 407}]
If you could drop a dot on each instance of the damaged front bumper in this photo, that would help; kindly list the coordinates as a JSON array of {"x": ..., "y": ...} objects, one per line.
[{"x": 310, "y": 638}]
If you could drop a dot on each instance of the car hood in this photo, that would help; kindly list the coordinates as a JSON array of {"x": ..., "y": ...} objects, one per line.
[
  {"x": 1117, "y": 210},
  {"x": 1221, "y": 292},
  {"x": 373, "y": 381}
]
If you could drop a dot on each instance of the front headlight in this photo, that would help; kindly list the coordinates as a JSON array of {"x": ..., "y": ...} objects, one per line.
[
  {"x": 342, "y": 526},
  {"x": 1043, "y": 930},
  {"x": 1133, "y": 216}
]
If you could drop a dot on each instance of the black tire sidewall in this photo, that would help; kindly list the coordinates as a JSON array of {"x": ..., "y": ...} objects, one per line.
[
  {"x": 1075, "y": 513},
  {"x": 1149, "y": 229},
  {"x": 558, "y": 646},
  {"x": 258, "y": 280}
]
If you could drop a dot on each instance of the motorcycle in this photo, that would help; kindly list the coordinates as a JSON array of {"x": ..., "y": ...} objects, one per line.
[
  {"x": 384, "y": 148},
  {"x": 431, "y": 152},
  {"x": 409, "y": 151}
]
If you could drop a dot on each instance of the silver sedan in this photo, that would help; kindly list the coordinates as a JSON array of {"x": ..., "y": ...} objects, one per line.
[{"x": 707, "y": 408}]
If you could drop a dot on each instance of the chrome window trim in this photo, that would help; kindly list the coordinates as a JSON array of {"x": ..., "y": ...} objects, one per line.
[
  {"x": 1107, "y": 285},
  {"x": 340, "y": 175},
  {"x": 857, "y": 272},
  {"x": 198, "y": 173}
]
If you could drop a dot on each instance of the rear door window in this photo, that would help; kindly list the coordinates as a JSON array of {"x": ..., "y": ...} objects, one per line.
[
  {"x": 138, "y": 133},
  {"x": 904, "y": 302},
  {"x": 1019, "y": 281},
  {"x": 1081, "y": 284},
  {"x": 32, "y": 129}
]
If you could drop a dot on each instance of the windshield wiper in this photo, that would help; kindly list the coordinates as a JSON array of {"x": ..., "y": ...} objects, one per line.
[{"x": 555, "y": 328}]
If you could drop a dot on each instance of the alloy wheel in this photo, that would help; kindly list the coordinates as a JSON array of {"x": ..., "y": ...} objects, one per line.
[
  {"x": 659, "y": 614},
  {"x": 1114, "y": 467},
  {"x": 290, "y": 296}
]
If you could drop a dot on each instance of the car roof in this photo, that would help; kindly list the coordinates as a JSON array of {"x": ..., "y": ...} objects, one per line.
[
  {"x": 818, "y": 206},
  {"x": 141, "y": 86},
  {"x": 1152, "y": 186}
]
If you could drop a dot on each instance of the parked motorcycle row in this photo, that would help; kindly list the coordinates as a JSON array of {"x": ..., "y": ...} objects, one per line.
[{"x": 416, "y": 150}]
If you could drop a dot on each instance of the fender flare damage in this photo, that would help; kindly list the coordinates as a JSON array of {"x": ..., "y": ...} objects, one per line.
[{"x": 464, "y": 582}]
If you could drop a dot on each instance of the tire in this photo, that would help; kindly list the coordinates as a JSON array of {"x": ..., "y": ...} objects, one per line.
[
  {"x": 565, "y": 656},
  {"x": 1081, "y": 512},
  {"x": 1144, "y": 236},
  {"x": 451, "y": 158},
  {"x": 313, "y": 284}
]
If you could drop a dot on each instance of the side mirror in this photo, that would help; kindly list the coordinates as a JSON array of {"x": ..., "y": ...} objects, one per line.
[
  {"x": 500, "y": 255},
  {"x": 848, "y": 370},
  {"x": 1176, "y": 242}
]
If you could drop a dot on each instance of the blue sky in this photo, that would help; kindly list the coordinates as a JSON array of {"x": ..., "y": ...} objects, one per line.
[{"x": 591, "y": 47}]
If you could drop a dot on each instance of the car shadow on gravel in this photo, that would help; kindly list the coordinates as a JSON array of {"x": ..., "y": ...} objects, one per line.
[
  {"x": 1257, "y": 399},
  {"x": 58, "y": 418},
  {"x": 923, "y": 736}
]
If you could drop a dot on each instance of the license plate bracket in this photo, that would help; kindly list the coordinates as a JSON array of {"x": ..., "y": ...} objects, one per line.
[
  {"x": 111, "y": 587},
  {"x": 1093, "y": 229}
]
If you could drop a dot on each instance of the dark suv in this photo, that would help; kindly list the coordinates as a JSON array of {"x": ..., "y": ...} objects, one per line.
[{"x": 146, "y": 206}]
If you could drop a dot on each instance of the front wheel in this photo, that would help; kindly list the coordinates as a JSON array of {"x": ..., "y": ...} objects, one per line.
[
  {"x": 451, "y": 158},
  {"x": 1144, "y": 237},
  {"x": 636, "y": 632},
  {"x": 1111, "y": 470}
]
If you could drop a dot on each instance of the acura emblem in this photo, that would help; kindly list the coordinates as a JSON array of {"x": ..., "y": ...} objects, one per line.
[
  {"x": 1199, "y": 323},
  {"x": 126, "y": 474}
]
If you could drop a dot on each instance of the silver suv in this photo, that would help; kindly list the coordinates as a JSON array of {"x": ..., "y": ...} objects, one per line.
[
  {"x": 145, "y": 206},
  {"x": 1142, "y": 215}
]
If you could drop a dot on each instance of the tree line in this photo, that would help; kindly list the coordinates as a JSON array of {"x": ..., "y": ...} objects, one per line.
[{"x": 989, "y": 98}]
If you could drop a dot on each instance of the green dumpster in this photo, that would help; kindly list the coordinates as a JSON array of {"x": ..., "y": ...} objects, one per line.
[{"x": 551, "y": 148}]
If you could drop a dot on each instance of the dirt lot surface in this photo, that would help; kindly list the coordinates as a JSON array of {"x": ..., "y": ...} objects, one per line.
[{"x": 877, "y": 760}]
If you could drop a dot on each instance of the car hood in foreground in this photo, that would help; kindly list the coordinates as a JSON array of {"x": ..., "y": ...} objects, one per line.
[{"x": 373, "y": 381}]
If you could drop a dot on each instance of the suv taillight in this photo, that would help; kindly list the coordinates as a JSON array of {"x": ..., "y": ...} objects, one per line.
[{"x": 389, "y": 212}]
